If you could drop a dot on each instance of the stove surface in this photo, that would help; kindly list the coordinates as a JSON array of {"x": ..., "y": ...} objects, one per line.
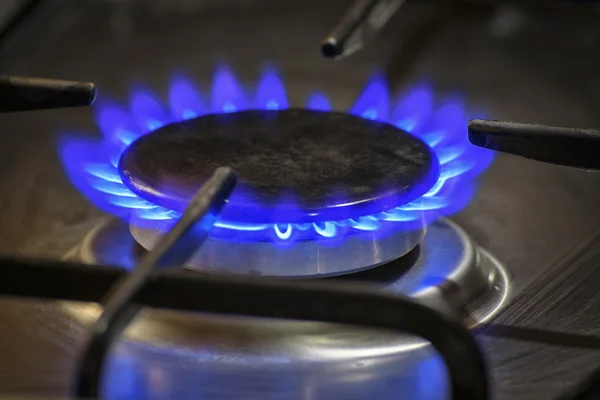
[{"x": 539, "y": 221}]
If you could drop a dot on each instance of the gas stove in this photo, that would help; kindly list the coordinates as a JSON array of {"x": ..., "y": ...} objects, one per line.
[
  {"x": 353, "y": 227},
  {"x": 319, "y": 194}
]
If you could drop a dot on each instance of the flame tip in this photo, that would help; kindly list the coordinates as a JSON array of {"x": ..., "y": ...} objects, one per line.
[
  {"x": 269, "y": 67},
  {"x": 421, "y": 86},
  {"x": 180, "y": 76}
]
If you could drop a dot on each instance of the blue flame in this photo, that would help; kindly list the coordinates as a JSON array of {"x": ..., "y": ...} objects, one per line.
[
  {"x": 374, "y": 101},
  {"x": 92, "y": 165}
]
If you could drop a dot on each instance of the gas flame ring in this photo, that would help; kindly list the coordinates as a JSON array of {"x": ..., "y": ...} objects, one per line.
[{"x": 92, "y": 165}]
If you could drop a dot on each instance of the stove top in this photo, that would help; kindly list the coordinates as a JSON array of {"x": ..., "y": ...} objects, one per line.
[
  {"x": 524, "y": 246},
  {"x": 319, "y": 194}
]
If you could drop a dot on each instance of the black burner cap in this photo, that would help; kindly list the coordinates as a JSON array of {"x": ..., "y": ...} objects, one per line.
[{"x": 293, "y": 165}]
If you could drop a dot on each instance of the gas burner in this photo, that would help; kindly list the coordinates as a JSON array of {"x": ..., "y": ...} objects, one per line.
[
  {"x": 446, "y": 271},
  {"x": 294, "y": 165},
  {"x": 301, "y": 166},
  {"x": 321, "y": 193}
]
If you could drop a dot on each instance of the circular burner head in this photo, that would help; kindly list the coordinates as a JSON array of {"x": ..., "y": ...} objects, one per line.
[{"x": 293, "y": 165}]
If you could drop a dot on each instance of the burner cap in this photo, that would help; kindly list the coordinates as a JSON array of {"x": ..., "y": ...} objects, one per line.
[{"x": 292, "y": 165}]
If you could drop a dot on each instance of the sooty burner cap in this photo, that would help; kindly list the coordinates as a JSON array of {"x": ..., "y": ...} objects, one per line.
[{"x": 292, "y": 165}]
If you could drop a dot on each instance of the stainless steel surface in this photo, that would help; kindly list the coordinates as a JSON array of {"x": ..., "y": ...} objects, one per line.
[
  {"x": 541, "y": 221},
  {"x": 309, "y": 259},
  {"x": 223, "y": 348},
  {"x": 446, "y": 255}
]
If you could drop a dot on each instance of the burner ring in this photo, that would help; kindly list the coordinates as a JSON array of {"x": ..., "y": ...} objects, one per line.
[
  {"x": 293, "y": 166},
  {"x": 316, "y": 258},
  {"x": 449, "y": 272}
]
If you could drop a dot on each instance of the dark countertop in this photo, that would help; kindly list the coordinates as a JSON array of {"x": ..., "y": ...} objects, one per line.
[{"x": 541, "y": 221}]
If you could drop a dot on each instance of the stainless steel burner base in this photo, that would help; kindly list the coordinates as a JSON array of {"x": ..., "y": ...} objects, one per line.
[
  {"x": 447, "y": 271},
  {"x": 302, "y": 259}
]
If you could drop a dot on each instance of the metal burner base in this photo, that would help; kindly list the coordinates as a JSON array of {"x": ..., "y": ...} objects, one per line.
[
  {"x": 302, "y": 259},
  {"x": 446, "y": 271}
]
